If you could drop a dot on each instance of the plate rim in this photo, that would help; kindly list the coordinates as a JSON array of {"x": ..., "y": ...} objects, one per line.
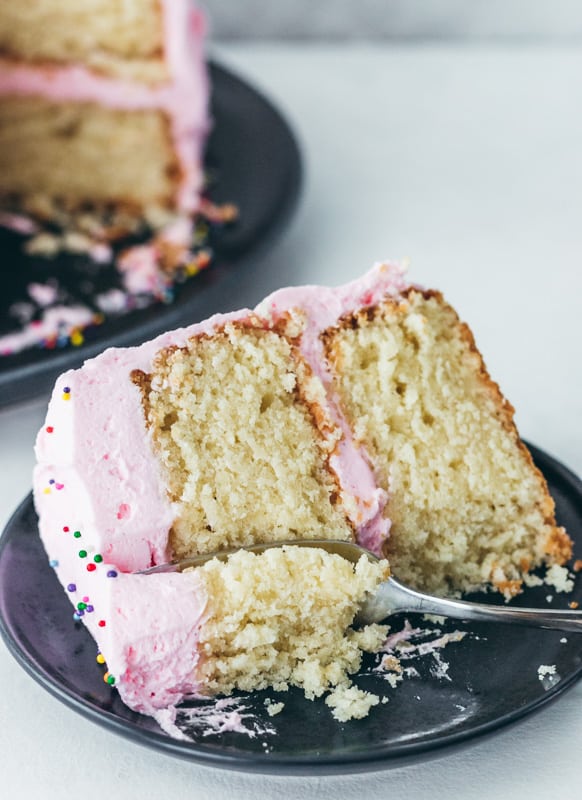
[{"x": 277, "y": 763}]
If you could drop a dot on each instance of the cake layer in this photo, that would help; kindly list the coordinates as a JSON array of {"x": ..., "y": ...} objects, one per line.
[
  {"x": 466, "y": 504},
  {"x": 125, "y": 39},
  {"x": 57, "y": 150},
  {"x": 240, "y": 427}
]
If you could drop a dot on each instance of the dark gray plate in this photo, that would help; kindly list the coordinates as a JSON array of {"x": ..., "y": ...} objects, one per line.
[
  {"x": 493, "y": 673},
  {"x": 257, "y": 166}
]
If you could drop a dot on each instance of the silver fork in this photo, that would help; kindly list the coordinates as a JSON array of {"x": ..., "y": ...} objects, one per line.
[{"x": 393, "y": 597}]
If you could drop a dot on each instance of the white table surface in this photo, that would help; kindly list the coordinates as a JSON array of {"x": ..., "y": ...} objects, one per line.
[{"x": 468, "y": 161}]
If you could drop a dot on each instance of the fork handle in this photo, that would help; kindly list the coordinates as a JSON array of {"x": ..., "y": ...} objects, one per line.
[{"x": 392, "y": 597}]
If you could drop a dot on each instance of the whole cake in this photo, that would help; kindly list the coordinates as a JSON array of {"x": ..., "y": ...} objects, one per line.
[
  {"x": 359, "y": 412},
  {"x": 102, "y": 105}
]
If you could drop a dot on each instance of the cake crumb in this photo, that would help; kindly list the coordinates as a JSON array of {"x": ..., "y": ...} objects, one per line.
[
  {"x": 273, "y": 708},
  {"x": 43, "y": 244},
  {"x": 549, "y": 598},
  {"x": 438, "y": 620},
  {"x": 574, "y": 604},
  {"x": 563, "y": 640},
  {"x": 559, "y": 578},
  {"x": 546, "y": 669},
  {"x": 392, "y": 669},
  {"x": 532, "y": 580},
  {"x": 349, "y": 702},
  {"x": 548, "y": 676},
  {"x": 577, "y": 565}
]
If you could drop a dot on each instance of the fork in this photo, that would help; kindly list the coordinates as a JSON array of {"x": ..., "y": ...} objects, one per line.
[{"x": 394, "y": 597}]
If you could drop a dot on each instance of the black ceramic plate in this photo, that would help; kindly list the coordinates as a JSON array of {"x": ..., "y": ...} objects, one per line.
[
  {"x": 492, "y": 673},
  {"x": 257, "y": 165}
]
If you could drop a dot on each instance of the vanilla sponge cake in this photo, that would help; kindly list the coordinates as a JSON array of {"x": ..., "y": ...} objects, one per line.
[
  {"x": 102, "y": 105},
  {"x": 359, "y": 412},
  {"x": 466, "y": 504}
]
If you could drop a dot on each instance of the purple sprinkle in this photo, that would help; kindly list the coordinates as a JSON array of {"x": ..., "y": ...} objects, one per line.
[
  {"x": 112, "y": 574},
  {"x": 89, "y": 609},
  {"x": 80, "y": 612},
  {"x": 71, "y": 587},
  {"x": 54, "y": 563},
  {"x": 67, "y": 389},
  {"x": 52, "y": 480}
]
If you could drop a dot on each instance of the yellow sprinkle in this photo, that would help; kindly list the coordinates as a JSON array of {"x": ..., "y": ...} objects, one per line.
[
  {"x": 100, "y": 659},
  {"x": 47, "y": 490},
  {"x": 192, "y": 268},
  {"x": 66, "y": 396},
  {"x": 77, "y": 338}
]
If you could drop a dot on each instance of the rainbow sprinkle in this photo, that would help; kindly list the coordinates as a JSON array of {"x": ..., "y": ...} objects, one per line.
[{"x": 77, "y": 337}]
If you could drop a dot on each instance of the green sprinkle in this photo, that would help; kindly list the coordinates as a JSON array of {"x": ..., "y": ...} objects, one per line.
[
  {"x": 82, "y": 554},
  {"x": 98, "y": 559}
]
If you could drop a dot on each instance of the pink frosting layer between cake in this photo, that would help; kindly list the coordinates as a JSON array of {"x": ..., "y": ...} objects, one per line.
[
  {"x": 184, "y": 99},
  {"x": 97, "y": 476}
]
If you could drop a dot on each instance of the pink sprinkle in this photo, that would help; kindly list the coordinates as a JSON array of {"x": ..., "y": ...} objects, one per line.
[
  {"x": 59, "y": 486},
  {"x": 124, "y": 511},
  {"x": 85, "y": 599}
]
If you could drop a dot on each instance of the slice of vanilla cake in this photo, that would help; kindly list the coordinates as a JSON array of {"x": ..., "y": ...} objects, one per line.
[{"x": 359, "y": 412}]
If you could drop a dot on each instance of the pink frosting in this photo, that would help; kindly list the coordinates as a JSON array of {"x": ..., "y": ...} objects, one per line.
[
  {"x": 184, "y": 98},
  {"x": 97, "y": 475},
  {"x": 322, "y": 307}
]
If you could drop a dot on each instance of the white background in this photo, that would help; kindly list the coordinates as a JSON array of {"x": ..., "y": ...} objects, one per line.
[
  {"x": 401, "y": 19},
  {"x": 467, "y": 160}
]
